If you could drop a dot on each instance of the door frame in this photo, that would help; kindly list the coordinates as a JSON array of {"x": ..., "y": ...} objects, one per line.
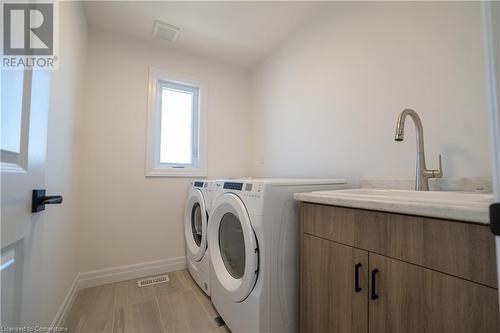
[{"x": 491, "y": 30}]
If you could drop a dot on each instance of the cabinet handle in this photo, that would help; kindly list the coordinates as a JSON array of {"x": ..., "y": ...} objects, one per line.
[
  {"x": 357, "y": 288},
  {"x": 374, "y": 295}
]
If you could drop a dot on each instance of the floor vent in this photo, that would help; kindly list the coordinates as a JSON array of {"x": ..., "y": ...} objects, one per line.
[
  {"x": 152, "y": 280},
  {"x": 219, "y": 321}
]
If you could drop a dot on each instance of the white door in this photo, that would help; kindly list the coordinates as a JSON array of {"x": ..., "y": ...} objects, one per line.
[
  {"x": 24, "y": 111},
  {"x": 233, "y": 247},
  {"x": 491, "y": 11}
]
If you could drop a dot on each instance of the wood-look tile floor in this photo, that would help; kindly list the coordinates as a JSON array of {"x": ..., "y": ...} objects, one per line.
[{"x": 175, "y": 306}]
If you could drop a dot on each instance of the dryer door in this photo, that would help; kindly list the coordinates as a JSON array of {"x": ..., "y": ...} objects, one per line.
[
  {"x": 195, "y": 225},
  {"x": 233, "y": 247}
]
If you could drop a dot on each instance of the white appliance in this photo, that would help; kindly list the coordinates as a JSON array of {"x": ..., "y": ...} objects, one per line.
[
  {"x": 253, "y": 236},
  {"x": 196, "y": 213}
]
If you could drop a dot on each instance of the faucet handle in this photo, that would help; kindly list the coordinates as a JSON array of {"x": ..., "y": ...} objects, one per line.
[{"x": 439, "y": 172}]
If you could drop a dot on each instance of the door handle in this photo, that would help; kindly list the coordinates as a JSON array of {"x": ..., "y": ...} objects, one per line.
[
  {"x": 357, "y": 288},
  {"x": 374, "y": 295},
  {"x": 39, "y": 200}
]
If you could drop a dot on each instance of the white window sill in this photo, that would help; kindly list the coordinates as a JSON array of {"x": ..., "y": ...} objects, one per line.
[{"x": 176, "y": 173}]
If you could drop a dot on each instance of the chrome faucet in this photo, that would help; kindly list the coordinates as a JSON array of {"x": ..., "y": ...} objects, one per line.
[{"x": 422, "y": 174}]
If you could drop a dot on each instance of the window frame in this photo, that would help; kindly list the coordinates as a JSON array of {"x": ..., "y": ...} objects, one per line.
[{"x": 159, "y": 78}]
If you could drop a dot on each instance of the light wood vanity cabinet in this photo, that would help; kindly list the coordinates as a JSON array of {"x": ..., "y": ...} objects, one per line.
[
  {"x": 329, "y": 301},
  {"x": 367, "y": 271}
]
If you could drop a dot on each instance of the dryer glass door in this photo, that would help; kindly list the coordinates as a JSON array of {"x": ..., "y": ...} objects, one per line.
[{"x": 233, "y": 247}]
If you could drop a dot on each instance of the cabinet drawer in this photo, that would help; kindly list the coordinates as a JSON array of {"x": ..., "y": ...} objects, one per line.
[{"x": 462, "y": 249}]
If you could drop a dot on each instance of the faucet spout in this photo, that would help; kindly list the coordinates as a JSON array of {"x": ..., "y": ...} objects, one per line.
[{"x": 422, "y": 175}]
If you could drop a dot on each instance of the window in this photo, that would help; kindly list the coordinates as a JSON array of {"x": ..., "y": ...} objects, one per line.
[{"x": 176, "y": 141}]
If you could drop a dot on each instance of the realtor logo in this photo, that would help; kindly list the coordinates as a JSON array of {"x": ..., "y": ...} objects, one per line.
[{"x": 28, "y": 29}]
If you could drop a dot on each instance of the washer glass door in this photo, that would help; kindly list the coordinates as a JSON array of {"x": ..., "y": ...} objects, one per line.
[
  {"x": 233, "y": 247},
  {"x": 195, "y": 225}
]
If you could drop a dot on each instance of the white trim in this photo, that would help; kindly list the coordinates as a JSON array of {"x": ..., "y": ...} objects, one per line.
[
  {"x": 18, "y": 162},
  {"x": 491, "y": 32},
  {"x": 128, "y": 272},
  {"x": 66, "y": 305},
  {"x": 11, "y": 167},
  {"x": 491, "y": 18},
  {"x": 114, "y": 274},
  {"x": 152, "y": 168}
]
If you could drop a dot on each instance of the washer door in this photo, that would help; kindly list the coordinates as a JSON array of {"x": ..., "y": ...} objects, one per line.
[
  {"x": 195, "y": 225},
  {"x": 233, "y": 247}
]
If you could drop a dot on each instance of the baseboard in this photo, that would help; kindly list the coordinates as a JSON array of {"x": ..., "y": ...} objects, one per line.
[
  {"x": 127, "y": 272},
  {"x": 67, "y": 303},
  {"x": 114, "y": 274}
]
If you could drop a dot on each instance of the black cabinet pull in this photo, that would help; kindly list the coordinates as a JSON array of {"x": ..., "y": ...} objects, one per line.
[
  {"x": 374, "y": 295},
  {"x": 357, "y": 288}
]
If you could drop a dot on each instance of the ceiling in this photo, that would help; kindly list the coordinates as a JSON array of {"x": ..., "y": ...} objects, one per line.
[{"x": 239, "y": 33}]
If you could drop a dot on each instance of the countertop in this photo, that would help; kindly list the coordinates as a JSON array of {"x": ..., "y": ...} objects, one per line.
[{"x": 461, "y": 206}]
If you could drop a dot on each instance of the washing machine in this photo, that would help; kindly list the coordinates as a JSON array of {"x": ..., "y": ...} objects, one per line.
[
  {"x": 197, "y": 211},
  {"x": 253, "y": 236}
]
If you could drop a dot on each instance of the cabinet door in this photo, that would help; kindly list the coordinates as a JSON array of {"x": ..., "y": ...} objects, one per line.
[
  {"x": 415, "y": 299},
  {"x": 329, "y": 299}
]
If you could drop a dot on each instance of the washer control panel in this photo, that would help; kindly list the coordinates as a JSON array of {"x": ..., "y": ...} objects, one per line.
[
  {"x": 233, "y": 186},
  {"x": 245, "y": 189}
]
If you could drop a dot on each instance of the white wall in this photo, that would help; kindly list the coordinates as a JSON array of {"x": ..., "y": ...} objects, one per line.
[
  {"x": 126, "y": 218},
  {"x": 51, "y": 255},
  {"x": 326, "y": 103}
]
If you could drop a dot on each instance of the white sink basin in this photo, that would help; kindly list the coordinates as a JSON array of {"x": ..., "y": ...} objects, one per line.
[{"x": 464, "y": 206}]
